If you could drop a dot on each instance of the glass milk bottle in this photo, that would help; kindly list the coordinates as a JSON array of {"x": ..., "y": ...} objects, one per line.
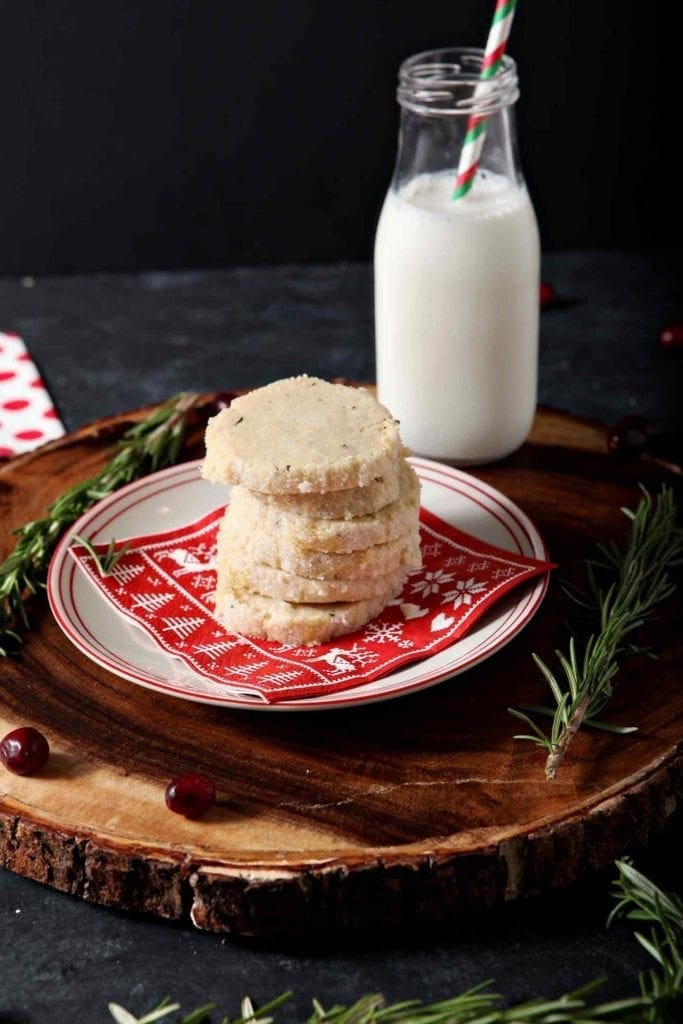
[{"x": 456, "y": 280}]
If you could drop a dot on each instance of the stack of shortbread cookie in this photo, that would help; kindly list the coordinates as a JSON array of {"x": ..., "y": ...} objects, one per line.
[{"x": 322, "y": 525}]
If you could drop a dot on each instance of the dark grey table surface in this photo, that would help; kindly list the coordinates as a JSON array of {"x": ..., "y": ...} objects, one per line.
[{"x": 107, "y": 343}]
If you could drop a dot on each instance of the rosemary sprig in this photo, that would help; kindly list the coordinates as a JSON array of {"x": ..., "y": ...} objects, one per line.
[
  {"x": 625, "y": 584},
  {"x": 248, "y": 1015},
  {"x": 640, "y": 900},
  {"x": 149, "y": 445},
  {"x": 105, "y": 562},
  {"x": 658, "y": 1002},
  {"x": 165, "y": 1007}
]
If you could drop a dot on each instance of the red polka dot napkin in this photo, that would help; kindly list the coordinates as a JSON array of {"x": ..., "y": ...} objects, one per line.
[
  {"x": 27, "y": 415},
  {"x": 165, "y": 585}
]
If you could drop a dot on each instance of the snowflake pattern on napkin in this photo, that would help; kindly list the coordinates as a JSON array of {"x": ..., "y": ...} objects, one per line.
[{"x": 165, "y": 585}]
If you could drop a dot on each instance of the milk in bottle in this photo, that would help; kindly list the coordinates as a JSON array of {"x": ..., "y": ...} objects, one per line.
[{"x": 456, "y": 281}]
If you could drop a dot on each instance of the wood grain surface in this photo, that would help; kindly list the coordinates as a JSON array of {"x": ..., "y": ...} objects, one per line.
[{"x": 396, "y": 815}]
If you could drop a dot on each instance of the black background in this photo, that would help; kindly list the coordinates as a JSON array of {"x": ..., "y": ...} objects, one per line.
[{"x": 195, "y": 133}]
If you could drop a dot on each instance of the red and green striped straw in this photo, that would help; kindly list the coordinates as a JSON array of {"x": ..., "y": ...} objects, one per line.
[{"x": 476, "y": 126}]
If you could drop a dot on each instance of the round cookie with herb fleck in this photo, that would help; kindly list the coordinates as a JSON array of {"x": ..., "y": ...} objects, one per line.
[
  {"x": 241, "y": 611},
  {"x": 240, "y": 572},
  {"x": 302, "y": 435},
  {"x": 303, "y": 533},
  {"x": 349, "y": 503},
  {"x": 272, "y": 548}
]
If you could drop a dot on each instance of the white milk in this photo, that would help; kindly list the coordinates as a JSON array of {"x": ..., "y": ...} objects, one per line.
[{"x": 456, "y": 315}]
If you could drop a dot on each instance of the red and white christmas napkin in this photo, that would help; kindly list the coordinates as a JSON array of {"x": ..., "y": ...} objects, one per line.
[
  {"x": 28, "y": 417},
  {"x": 165, "y": 584}
]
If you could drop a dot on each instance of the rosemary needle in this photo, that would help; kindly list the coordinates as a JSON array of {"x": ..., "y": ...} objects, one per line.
[{"x": 149, "y": 445}]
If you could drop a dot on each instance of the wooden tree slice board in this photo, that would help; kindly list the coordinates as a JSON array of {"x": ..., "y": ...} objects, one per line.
[{"x": 395, "y": 815}]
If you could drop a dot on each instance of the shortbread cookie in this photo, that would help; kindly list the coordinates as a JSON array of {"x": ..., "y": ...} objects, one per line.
[
  {"x": 298, "y": 624},
  {"x": 264, "y": 579},
  {"x": 302, "y": 435},
  {"x": 345, "y": 504},
  {"x": 271, "y": 547},
  {"x": 301, "y": 533}
]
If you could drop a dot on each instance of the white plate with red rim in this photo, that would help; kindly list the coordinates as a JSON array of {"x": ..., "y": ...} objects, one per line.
[{"x": 172, "y": 497}]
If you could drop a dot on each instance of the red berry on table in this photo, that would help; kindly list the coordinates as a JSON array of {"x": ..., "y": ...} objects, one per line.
[
  {"x": 629, "y": 437},
  {"x": 671, "y": 336},
  {"x": 191, "y": 794},
  {"x": 547, "y": 295},
  {"x": 24, "y": 751},
  {"x": 222, "y": 400}
]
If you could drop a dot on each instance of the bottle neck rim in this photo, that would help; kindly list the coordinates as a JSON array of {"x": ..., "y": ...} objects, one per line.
[{"x": 447, "y": 83}]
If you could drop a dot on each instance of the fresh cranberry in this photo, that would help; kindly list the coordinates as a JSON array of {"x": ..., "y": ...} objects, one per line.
[
  {"x": 671, "y": 336},
  {"x": 629, "y": 437},
  {"x": 24, "y": 751},
  {"x": 191, "y": 794},
  {"x": 222, "y": 400},
  {"x": 547, "y": 295}
]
